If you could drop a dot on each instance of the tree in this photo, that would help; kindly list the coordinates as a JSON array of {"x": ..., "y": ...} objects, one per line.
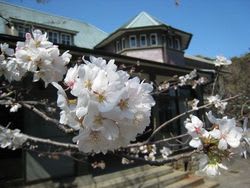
[
  {"x": 234, "y": 80},
  {"x": 99, "y": 105}
]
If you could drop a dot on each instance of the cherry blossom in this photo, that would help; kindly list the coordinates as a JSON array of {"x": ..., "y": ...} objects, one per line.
[
  {"x": 165, "y": 152},
  {"x": 227, "y": 133},
  {"x": 106, "y": 105},
  {"x": 216, "y": 101},
  {"x": 221, "y": 60},
  {"x": 12, "y": 139},
  {"x": 42, "y": 58},
  {"x": 195, "y": 128}
]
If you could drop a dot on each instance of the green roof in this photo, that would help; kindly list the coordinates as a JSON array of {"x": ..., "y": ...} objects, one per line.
[
  {"x": 143, "y": 19},
  {"x": 86, "y": 35}
]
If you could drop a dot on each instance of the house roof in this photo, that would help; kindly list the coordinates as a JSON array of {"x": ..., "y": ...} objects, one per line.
[
  {"x": 142, "y": 22},
  {"x": 143, "y": 19},
  {"x": 86, "y": 35}
]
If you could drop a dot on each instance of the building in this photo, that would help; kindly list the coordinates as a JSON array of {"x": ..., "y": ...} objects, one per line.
[
  {"x": 157, "y": 48},
  {"x": 60, "y": 30}
]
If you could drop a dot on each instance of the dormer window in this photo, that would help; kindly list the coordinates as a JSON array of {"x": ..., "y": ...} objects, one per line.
[
  {"x": 153, "y": 39},
  {"x": 66, "y": 39},
  {"x": 143, "y": 40},
  {"x": 132, "y": 41},
  {"x": 22, "y": 30},
  {"x": 53, "y": 36}
]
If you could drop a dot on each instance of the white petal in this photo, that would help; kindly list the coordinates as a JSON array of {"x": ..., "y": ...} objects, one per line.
[{"x": 222, "y": 144}]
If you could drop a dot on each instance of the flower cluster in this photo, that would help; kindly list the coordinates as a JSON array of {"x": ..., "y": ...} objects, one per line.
[
  {"x": 9, "y": 67},
  {"x": 221, "y": 61},
  {"x": 108, "y": 109},
  {"x": 12, "y": 139},
  {"x": 36, "y": 55},
  {"x": 189, "y": 79},
  {"x": 216, "y": 101},
  {"x": 216, "y": 143}
]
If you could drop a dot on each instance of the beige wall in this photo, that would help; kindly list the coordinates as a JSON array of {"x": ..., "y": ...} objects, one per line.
[{"x": 154, "y": 54}]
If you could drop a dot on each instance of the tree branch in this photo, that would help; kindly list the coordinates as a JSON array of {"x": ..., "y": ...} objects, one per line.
[
  {"x": 47, "y": 118},
  {"x": 183, "y": 114}
]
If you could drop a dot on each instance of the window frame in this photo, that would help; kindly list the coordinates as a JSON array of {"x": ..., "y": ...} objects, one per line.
[
  {"x": 118, "y": 46},
  {"x": 66, "y": 34},
  {"x": 170, "y": 42},
  {"x": 24, "y": 27},
  {"x": 57, "y": 38},
  {"x": 143, "y": 35},
  {"x": 130, "y": 37},
  {"x": 123, "y": 43},
  {"x": 177, "y": 43},
  {"x": 156, "y": 39}
]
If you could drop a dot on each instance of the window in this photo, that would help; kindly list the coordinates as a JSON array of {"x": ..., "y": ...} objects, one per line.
[
  {"x": 153, "y": 39},
  {"x": 22, "y": 30},
  {"x": 123, "y": 43},
  {"x": 132, "y": 41},
  {"x": 53, "y": 36},
  {"x": 118, "y": 46},
  {"x": 177, "y": 44},
  {"x": 143, "y": 40},
  {"x": 170, "y": 42},
  {"x": 66, "y": 39}
]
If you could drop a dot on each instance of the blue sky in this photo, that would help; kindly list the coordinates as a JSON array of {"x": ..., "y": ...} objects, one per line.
[{"x": 219, "y": 27}]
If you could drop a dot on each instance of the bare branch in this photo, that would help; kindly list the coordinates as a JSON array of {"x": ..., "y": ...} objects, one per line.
[
  {"x": 51, "y": 142},
  {"x": 47, "y": 118}
]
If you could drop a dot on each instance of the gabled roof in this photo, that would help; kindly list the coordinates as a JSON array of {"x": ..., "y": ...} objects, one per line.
[
  {"x": 142, "y": 22},
  {"x": 143, "y": 19}
]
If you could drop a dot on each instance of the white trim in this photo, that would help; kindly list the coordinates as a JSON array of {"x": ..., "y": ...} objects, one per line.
[
  {"x": 131, "y": 36},
  {"x": 156, "y": 39},
  {"x": 143, "y": 35},
  {"x": 123, "y": 43}
]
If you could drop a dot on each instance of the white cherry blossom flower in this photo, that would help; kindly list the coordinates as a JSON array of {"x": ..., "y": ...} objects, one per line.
[
  {"x": 71, "y": 76},
  {"x": 227, "y": 132},
  {"x": 12, "y": 139},
  {"x": 6, "y": 50},
  {"x": 15, "y": 107},
  {"x": 216, "y": 101},
  {"x": 41, "y": 57},
  {"x": 194, "y": 104},
  {"x": 195, "y": 128},
  {"x": 165, "y": 152},
  {"x": 106, "y": 105},
  {"x": 210, "y": 166},
  {"x": 221, "y": 60}
]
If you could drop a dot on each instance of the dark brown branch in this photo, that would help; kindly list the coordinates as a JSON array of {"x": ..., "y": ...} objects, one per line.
[{"x": 47, "y": 118}]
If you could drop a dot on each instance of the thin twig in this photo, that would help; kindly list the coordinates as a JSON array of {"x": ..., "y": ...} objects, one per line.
[
  {"x": 183, "y": 114},
  {"x": 47, "y": 118},
  {"x": 51, "y": 142},
  {"x": 160, "y": 162}
]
